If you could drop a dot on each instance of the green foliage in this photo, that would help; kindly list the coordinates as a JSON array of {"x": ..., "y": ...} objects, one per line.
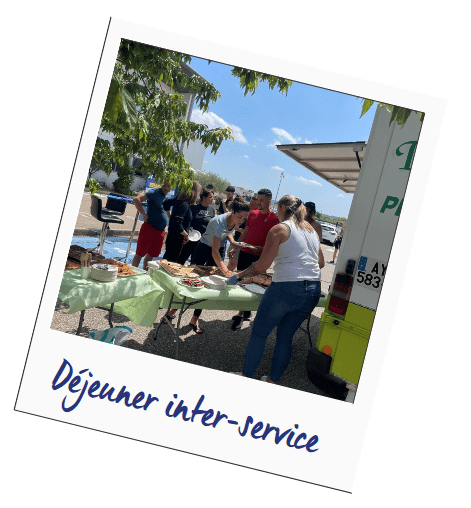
[
  {"x": 145, "y": 111},
  {"x": 249, "y": 80},
  {"x": 399, "y": 115},
  {"x": 327, "y": 218},
  {"x": 93, "y": 185},
  {"x": 220, "y": 185},
  {"x": 125, "y": 179}
]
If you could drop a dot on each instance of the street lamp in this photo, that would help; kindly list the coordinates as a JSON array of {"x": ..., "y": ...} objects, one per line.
[{"x": 281, "y": 178}]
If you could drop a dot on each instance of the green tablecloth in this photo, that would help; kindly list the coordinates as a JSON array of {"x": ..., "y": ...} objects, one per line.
[
  {"x": 229, "y": 299},
  {"x": 137, "y": 297}
]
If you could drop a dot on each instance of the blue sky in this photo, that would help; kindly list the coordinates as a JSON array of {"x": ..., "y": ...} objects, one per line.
[{"x": 260, "y": 121}]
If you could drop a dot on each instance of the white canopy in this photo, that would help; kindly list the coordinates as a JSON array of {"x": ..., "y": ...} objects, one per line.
[{"x": 337, "y": 163}]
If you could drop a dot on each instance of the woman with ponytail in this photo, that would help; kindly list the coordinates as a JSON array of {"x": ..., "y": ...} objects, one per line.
[{"x": 294, "y": 247}]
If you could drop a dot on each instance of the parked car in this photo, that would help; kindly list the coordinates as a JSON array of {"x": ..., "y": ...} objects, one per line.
[{"x": 329, "y": 232}]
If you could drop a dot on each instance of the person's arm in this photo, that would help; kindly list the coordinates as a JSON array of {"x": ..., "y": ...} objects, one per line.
[
  {"x": 223, "y": 204},
  {"x": 320, "y": 257},
  {"x": 217, "y": 257},
  {"x": 241, "y": 239},
  {"x": 167, "y": 204},
  {"x": 138, "y": 200},
  {"x": 178, "y": 214},
  {"x": 318, "y": 229},
  {"x": 243, "y": 234},
  {"x": 277, "y": 235}
]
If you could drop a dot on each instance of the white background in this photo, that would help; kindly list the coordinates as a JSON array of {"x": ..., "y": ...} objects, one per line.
[{"x": 416, "y": 432}]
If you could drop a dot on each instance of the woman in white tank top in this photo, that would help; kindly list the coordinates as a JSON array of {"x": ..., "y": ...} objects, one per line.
[{"x": 294, "y": 247}]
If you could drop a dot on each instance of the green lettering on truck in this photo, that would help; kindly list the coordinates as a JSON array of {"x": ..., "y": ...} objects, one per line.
[
  {"x": 389, "y": 203},
  {"x": 410, "y": 154}
]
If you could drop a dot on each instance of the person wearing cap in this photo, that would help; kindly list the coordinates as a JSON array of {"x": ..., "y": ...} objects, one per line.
[{"x": 310, "y": 211}]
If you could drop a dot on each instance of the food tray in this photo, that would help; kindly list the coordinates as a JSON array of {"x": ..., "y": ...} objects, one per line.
[
  {"x": 138, "y": 271},
  {"x": 207, "y": 270},
  {"x": 177, "y": 270},
  {"x": 189, "y": 285}
]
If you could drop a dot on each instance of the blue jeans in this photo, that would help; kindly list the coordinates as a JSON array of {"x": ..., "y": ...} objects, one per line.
[{"x": 286, "y": 305}]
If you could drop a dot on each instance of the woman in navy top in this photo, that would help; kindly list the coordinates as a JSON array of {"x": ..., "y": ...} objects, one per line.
[{"x": 179, "y": 223}]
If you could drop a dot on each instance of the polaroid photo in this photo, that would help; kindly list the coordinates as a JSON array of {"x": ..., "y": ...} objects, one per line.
[{"x": 108, "y": 352}]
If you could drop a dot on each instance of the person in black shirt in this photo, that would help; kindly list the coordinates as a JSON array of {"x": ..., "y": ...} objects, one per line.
[
  {"x": 223, "y": 207},
  {"x": 202, "y": 213},
  {"x": 179, "y": 223}
]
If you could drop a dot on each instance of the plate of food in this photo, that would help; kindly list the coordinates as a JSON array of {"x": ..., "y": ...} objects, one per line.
[
  {"x": 191, "y": 283},
  {"x": 124, "y": 270},
  {"x": 263, "y": 280}
]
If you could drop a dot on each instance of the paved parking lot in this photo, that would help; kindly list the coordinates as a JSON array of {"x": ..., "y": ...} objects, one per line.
[{"x": 219, "y": 347}]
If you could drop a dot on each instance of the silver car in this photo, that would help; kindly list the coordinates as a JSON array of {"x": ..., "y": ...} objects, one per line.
[{"x": 329, "y": 232}]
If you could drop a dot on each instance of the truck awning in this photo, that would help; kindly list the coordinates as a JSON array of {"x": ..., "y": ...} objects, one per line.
[{"x": 337, "y": 163}]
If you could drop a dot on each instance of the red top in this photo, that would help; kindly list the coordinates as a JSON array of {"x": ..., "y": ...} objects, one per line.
[{"x": 259, "y": 224}]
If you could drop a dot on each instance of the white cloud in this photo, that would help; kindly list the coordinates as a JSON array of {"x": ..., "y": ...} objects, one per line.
[
  {"x": 340, "y": 196},
  {"x": 246, "y": 156},
  {"x": 276, "y": 142},
  {"x": 305, "y": 181},
  {"x": 285, "y": 135},
  {"x": 277, "y": 168},
  {"x": 213, "y": 121},
  {"x": 308, "y": 142}
]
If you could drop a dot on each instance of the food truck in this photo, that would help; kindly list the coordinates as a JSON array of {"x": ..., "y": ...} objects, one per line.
[{"x": 379, "y": 182}]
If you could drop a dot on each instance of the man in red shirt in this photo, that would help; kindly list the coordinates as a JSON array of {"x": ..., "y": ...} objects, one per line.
[{"x": 259, "y": 223}]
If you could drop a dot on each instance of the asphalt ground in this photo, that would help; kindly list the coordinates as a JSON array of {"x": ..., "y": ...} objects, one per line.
[{"x": 219, "y": 347}]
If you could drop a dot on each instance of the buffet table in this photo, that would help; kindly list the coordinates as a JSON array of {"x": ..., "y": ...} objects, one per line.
[
  {"x": 183, "y": 298},
  {"x": 138, "y": 297}
]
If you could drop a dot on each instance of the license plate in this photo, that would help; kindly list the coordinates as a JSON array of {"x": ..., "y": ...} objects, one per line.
[{"x": 370, "y": 273}]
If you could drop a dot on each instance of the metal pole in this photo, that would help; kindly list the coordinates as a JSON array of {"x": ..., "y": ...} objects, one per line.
[
  {"x": 281, "y": 177},
  {"x": 132, "y": 236}
]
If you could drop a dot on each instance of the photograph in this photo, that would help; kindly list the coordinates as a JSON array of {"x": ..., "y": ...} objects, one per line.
[
  {"x": 214, "y": 189},
  {"x": 231, "y": 221}
]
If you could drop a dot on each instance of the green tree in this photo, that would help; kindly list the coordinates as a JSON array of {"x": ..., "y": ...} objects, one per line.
[
  {"x": 220, "y": 184},
  {"x": 148, "y": 121},
  {"x": 398, "y": 114}
]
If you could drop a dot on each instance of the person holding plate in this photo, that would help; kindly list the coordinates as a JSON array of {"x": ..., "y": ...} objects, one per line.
[
  {"x": 294, "y": 247},
  {"x": 179, "y": 224},
  {"x": 201, "y": 213}
]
